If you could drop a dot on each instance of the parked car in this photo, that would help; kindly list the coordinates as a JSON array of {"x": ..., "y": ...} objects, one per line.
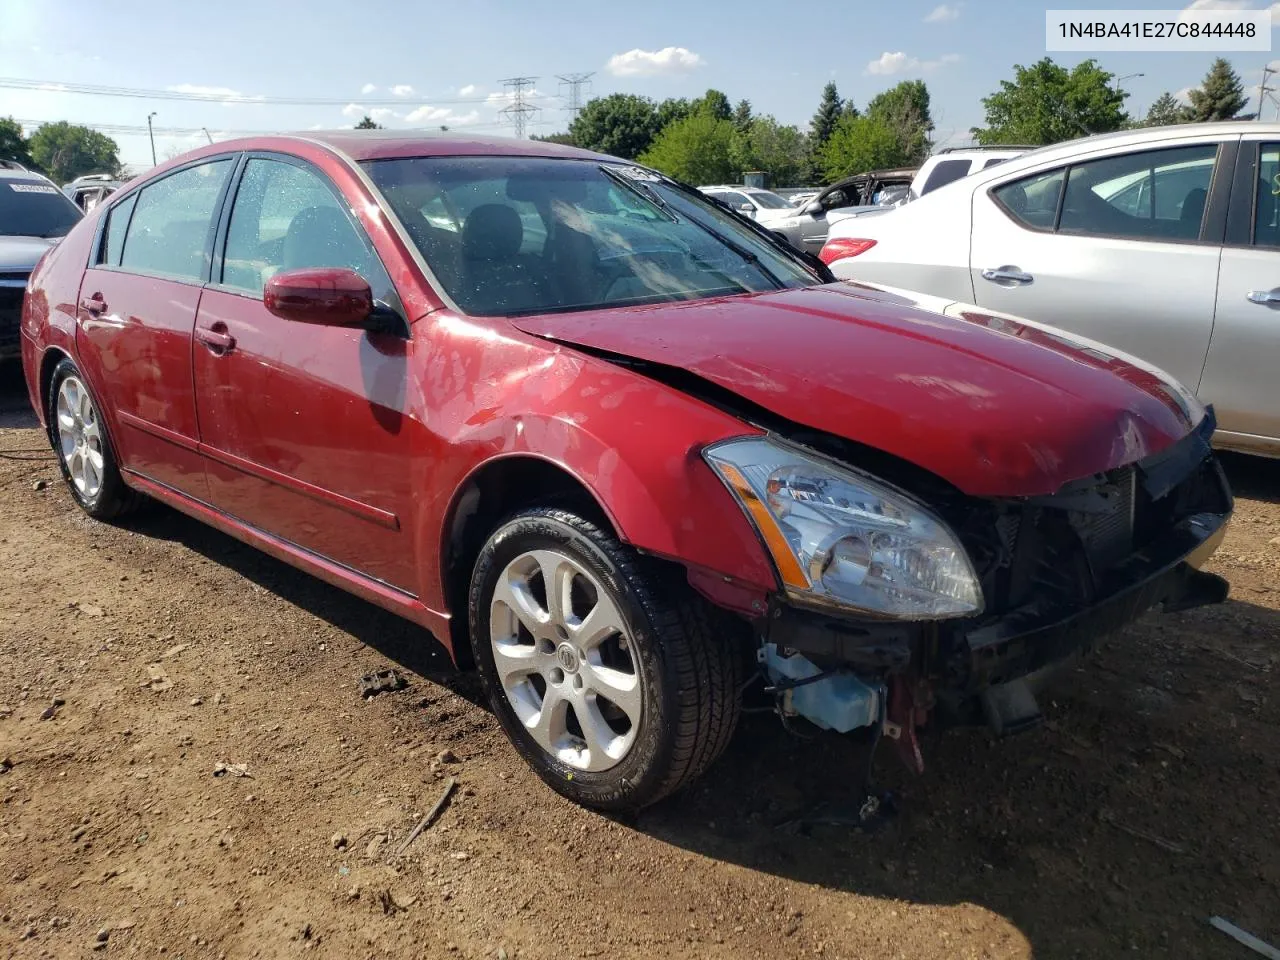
[
  {"x": 953, "y": 163},
  {"x": 802, "y": 198},
  {"x": 88, "y": 191},
  {"x": 1163, "y": 242},
  {"x": 768, "y": 209},
  {"x": 623, "y": 463},
  {"x": 34, "y": 215}
]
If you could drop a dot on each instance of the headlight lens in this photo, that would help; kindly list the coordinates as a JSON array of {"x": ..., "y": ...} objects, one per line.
[{"x": 844, "y": 538}]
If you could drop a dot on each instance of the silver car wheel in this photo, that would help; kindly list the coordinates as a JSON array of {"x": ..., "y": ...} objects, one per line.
[
  {"x": 566, "y": 660},
  {"x": 80, "y": 437}
]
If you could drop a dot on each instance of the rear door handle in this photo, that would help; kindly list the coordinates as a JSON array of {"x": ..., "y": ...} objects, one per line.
[
  {"x": 1265, "y": 297},
  {"x": 93, "y": 304},
  {"x": 1008, "y": 276},
  {"x": 216, "y": 339}
]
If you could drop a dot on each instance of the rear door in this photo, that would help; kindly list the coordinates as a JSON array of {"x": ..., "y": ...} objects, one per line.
[
  {"x": 305, "y": 428},
  {"x": 1240, "y": 372},
  {"x": 137, "y": 308},
  {"x": 1122, "y": 248}
]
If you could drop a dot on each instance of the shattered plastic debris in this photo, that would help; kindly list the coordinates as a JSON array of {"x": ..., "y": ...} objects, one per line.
[{"x": 383, "y": 681}]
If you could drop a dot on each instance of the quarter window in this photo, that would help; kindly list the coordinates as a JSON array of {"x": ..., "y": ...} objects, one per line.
[
  {"x": 117, "y": 224},
  {"x": 946, "y": 171},
  {"x": 171, "y": 228},
  {"x": 1033, "y": 202},
  {"x": 287, "y": 217}
]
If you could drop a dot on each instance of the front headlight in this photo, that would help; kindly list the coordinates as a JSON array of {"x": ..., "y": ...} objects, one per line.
[{"x": 840, "y": 537}]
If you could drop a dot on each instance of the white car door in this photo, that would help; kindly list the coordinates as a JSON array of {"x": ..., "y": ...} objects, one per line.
[
  {"x": 1121, "y": 247},
  {"x": 1244, "y": 354}
]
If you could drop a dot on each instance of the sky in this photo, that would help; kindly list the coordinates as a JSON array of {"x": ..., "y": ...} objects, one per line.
[{"x": 436, "y": 63}]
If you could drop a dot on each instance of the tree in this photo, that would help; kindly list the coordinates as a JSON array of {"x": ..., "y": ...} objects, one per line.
[
  {"x": 824, "y": 121},
  {"x": 13, "y": 145},
  {"x": 368, "y": 123},
  {"x": 671, "y": 110},
  {"x": 742, "y": 116},
  {"x": 1220, "y": 96},
  {"x": 1166, "y": 111},
  {"x": 715, "y": 103},
  {"x": 66, "y": 151},
  {"x": 905, "y": 109},
  {"x": 698, "y": 149},
  {"x": 782, "y": 153},
  {"x": 561, "y": 138},
  {"x": 859, "y": 144},
  {"x": 1046, "y": 103},
  {"x": 621, "y": 124}
]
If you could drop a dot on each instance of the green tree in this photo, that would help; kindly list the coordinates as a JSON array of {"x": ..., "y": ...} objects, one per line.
[
  {"x": 715, "y": 103},
  {"x": 905, "y": 108},
  {"x": 368, "y": 123},
  {"x": 13, "y": 145},
  {"x": 1046, "y": 103},
  {"x": 66, "y": 151},
  {"x": 859, "y": 144},
  {"x": 564, "y": 139},
  {"x": 671, "y": 110},
  {"x": 1220, "y": 96},
  {"x": 621, "y": 124},
  {"x": 698, "y": 149},
  {"x": 1166, "y": 111},
  {"x": 782, "y": 153},
  {"x": 742, "y": 115},
  {"x": 824, "y": 121}
]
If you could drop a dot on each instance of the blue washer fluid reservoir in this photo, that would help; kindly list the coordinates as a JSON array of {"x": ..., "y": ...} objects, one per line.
[{"x": 839, "y": 702}]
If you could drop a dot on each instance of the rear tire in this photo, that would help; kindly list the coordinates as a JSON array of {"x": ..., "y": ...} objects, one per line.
[
  {"x": 606, "y": 671},
  {"x": 83, "y": 447}
]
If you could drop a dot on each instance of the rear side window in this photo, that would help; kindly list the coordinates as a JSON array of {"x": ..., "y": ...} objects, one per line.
[
  {"x": 171, "y": 228},
  {"x": 1266, "y": 217},
  {"x": 1033, "y": 202},
  {"x": 993, "y": 161},
  {"x": 1153, "y": 195},
  {"x": 117, "y": 224},
  {"x": 947, "y": 171}
]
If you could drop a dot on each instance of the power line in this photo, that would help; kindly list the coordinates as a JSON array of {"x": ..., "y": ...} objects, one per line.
[
  {"x": 577, "y": 84},
  {"x": 519, "y": 111},
  {"x": 231, "y": 96},
  {"x": 126, "y": 128}
]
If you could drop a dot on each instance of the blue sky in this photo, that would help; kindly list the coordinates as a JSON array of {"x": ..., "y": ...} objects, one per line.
[{"x": 440, "y": 63}]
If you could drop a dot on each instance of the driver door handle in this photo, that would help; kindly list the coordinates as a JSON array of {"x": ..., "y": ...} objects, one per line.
[
  {"x": 1008, "y": 275},
  {"x": 216, "y": 339},
  {"x": 1265, "y": 297}
]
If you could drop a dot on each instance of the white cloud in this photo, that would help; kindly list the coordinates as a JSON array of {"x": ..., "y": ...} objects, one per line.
[
  {"x": 368, "y": 88},
  {"x": 354, "y": 111},
  {"x": 890, "y": 64},
  {"x": 402, "y": 90},
  {"x": 1229, "y": 5},
  {"x": 1183, "y": 96},
  {"x": 943, "y": 12},
  {"x": 204, "y": 91},
  {"x": 650, "y": 63},
  {"x": 383, "y": 113},
  {"x": 468, "y": 90},
  {"x": 429, "y": 116}
]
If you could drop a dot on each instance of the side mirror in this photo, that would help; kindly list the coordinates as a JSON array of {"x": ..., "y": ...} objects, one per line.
[
  {"x": 746, "y": 209},
  {"x": 813, "y": 208},
  {"x": 329, "y": 296}
]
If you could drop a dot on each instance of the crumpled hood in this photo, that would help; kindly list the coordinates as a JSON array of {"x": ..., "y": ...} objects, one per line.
[
  {"x": 19, "y": 254},
  {"x": 994, "y": 408}
]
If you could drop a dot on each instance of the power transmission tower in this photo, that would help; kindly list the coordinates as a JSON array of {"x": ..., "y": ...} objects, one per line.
[
  {"x": 519, "y": 111},
  {"x": 576, "y": 83}
]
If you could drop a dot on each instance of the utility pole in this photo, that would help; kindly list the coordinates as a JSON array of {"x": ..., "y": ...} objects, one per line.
[
  {"x": 519, "y": 110},
  {"x": 152, "y": 135},
  {"x": 1263, "y": 89},
  {"x": 207, "y": 134},
  {"x": 577, "y": 83}
]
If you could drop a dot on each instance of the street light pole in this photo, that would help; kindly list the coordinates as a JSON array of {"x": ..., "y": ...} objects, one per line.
[
  {"x": 152, "y": 135},
  {"x": 207, "y": 134},
  {"x": 1127, "y": 76}
]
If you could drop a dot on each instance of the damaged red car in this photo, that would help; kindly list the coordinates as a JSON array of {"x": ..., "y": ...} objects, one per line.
[{"x": 615, "y": 445}]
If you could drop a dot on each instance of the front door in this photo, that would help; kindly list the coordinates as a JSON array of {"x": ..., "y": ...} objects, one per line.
[
  {"x": 304, "y": 427},
  {"x": 1113, "y": 248},
  {"x": 138, "y": 305}
]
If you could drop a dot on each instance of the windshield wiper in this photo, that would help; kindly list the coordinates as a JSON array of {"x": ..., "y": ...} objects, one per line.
[{"x": 640, "y": 190}]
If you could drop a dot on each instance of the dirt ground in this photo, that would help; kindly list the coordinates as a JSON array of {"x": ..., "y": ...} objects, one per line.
[{"x": 1146, "y": 803}]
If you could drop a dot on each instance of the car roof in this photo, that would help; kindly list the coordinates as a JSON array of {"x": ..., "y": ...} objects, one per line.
[
  {"x": 1140, "y": 137},
  {"x": 9, "y": 174},
  {"x": 361, "y": 145}
]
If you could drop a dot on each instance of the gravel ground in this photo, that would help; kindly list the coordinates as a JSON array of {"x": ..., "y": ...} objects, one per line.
[{"x": 136, "y": 659}]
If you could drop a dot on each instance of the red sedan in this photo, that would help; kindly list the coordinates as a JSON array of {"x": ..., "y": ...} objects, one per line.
[{"x": 613, "y": 443}]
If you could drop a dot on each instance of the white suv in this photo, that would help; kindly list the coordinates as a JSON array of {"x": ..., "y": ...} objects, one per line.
[{"x": 953, "y": 163}]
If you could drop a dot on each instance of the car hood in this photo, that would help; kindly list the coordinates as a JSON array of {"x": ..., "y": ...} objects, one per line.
[
  {"x": 19, "y": 254},
  {"x": 993, "y": 407}
]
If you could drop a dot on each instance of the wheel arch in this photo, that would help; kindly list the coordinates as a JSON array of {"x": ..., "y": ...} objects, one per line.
[{"x": 49, "y": 360}]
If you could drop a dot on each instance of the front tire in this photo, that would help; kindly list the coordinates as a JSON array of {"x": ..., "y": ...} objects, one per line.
[
  {"x": 606, "y": 672},
  {"x": 85, "y": 454}
]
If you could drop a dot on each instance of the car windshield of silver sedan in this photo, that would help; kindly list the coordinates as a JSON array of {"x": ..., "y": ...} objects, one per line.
[
  {"x": 507, "y": 235},
  {"x": 29, "y": 208}
]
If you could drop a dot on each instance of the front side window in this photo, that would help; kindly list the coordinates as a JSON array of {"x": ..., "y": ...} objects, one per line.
[
  {"x": 287, "y": 217},
  {"x": 767, "y": 200},
  {"x": 1266, "y": 206},
  {"x": 172, "y": 224},
  {"x": 34, "y": 208},
  {"x": 1153, "y": 195},
  {"x": 534, "y": 235},
  {"x": 734, "y": 199}
]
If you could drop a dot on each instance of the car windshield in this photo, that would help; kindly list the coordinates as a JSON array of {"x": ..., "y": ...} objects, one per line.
[
  {"x": 29, "y": 208},
  {"x": 518, "y": 235},
  {"x": 770, "y": 201}
]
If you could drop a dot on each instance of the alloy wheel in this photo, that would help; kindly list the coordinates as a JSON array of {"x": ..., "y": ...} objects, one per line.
[{"x": 80, "y": 437}]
